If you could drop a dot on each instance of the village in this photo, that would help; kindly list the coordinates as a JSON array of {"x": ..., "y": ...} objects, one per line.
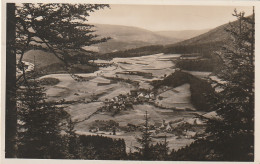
[
  {"x": 189, "y": 129},
  {"x": 179, "y": 128},
  {"x": 126, "y": 102}
]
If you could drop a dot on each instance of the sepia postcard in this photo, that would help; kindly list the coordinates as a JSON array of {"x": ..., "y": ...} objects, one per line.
[{"x": 129, "y": 82}]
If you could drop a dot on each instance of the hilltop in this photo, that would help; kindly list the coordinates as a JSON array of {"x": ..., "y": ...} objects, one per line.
[
  {"x": 127, "y": 37},
  {"x": 183, "y": 34},
  {"x": 203, "y": 45}
]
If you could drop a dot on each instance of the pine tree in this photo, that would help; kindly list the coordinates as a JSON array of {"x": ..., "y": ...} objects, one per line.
[
  {"x": 165, "y": 148},
  {"x": 59, "y": 28},
  {"x": 39, "y": 124},
  {"x": 160, "y": 150},
  {"x": 233, "y": 132},
  {"x": 145, "y": 141},
  {"x": 74, "y": 148}
]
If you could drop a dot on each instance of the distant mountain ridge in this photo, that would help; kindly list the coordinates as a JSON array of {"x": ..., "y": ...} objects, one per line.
[
  {"x": 131, "y": 33},
  {"x": 203, "y": 44},
  {"x": 134, "y": 41},
  {"x": 217, "y": 34},
  {"x": 130, "y": 37},
  {"x": 182, "y": 34}
]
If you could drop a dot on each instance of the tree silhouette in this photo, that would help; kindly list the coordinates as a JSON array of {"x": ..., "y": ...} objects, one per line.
[
  {"x": 233, "y": 132},
  {"x": 145, "y": 141},
  {"x": 56, "y": 27},
  {"x": 39, "y": 128}
]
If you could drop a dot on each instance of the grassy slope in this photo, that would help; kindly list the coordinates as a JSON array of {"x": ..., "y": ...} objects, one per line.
[
  {"x": 47, "y": 63},
  {"x": 199, "y": 88},
  {"x": 42, "y": 59}
]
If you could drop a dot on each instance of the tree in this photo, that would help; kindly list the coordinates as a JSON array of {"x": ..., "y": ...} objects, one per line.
[
  {"x": 145, "y": 141},
  {"x": 56, "y": 27},
  {"x": 40, "y": 124},
  {"x": 233, "y": 132},
  {"x": 160, "y": 150},
  {"x": 165, "y": 148},
  {"x": 59, "y": 28},
  {"x": 74, "y": 148}
]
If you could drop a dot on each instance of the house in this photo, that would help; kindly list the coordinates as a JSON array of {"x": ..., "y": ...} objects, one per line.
[
  {"x": 133, "y": 92},
  {"x": 147, "y": 96},
  {"x": 168, "y": 128},
  {"x": 141, "y": 95},
  {"x": 190, "y": 134},
  {"x": 94, "y": 129},
  {"x": 157, "y": 124},
  {"x": 152, "y": 96},
  {"x": 163, "y": 126}
]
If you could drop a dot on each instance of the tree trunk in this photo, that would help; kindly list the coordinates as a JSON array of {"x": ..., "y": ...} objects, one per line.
[{"x": 11, "y": 115}]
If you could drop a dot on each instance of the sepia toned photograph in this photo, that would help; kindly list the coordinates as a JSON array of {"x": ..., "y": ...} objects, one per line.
[{"x": 130, "y": 82}]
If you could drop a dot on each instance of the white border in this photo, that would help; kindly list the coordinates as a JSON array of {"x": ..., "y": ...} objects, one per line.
[{"x": 138, "y": 2}]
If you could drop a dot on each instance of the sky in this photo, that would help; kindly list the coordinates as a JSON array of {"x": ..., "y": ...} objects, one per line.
[{"x": 168, "y": 17}]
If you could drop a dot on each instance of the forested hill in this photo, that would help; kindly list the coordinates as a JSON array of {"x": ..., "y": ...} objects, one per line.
[
  {"x": 215, "y": 35},
  {"x": 203, "y": 44},
  {"x": 130, "y": 37},
  {"x": 183, "y": 34},
  {"x": 127, "y": 37}
]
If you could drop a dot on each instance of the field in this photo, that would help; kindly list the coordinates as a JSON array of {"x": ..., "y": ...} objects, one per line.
[{"x": 170, "y": 111}]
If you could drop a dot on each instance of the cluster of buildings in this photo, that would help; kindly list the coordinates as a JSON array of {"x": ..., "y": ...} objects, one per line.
[
  {"x": 178, "y": 127},
  {"x": 105, "y": 126},
  {"x": 126, "y": 102}
]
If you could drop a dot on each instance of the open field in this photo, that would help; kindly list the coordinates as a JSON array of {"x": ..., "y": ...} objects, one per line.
[{"x": 172, "y": 106}]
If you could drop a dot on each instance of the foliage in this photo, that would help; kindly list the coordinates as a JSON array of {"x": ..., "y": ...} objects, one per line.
[
  {"x": 204, "y": 49},
  {"x": 160, "y": 150},
  {"x": 199, "y": 87},
  {"x": 145, "y": 141},
  {"x": 102, "y": 148},
  {"x": 73, "y": 146},
  {"x": 49, "y": 81},
  {"x": 142, "y": 51},
  {"x": 39, "y": 128},
  {"x": 104, "y": 125},
  {"x": 47, "y": 131},
  {"x": 56, "y": 27},
  {"x": 200, "y": 150},
  {"x": 59, "y": 28},
  {"x": 157, "y": 152},
  {"x": 234, "y": 133},
  {"x": 195, "y": 65}
]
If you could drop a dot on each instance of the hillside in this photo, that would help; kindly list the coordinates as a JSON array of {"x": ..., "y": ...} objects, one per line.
[
  {"x": 47, "y": 63},
  {"x": 203, "y": 44},
  {"x": 215, "y": 35},
  {"x": 126, "y": 37},
  {"x": 42, "y": 59},
  {"x": 182, "y": 35},
  {"x": 130, "y": 34},
  {"x": 132, "y": 41}
]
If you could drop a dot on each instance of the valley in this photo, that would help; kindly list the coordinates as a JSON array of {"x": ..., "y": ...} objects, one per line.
[
  {"x": 129, "y": 81},
  {"x": 113, "y": 100}
]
